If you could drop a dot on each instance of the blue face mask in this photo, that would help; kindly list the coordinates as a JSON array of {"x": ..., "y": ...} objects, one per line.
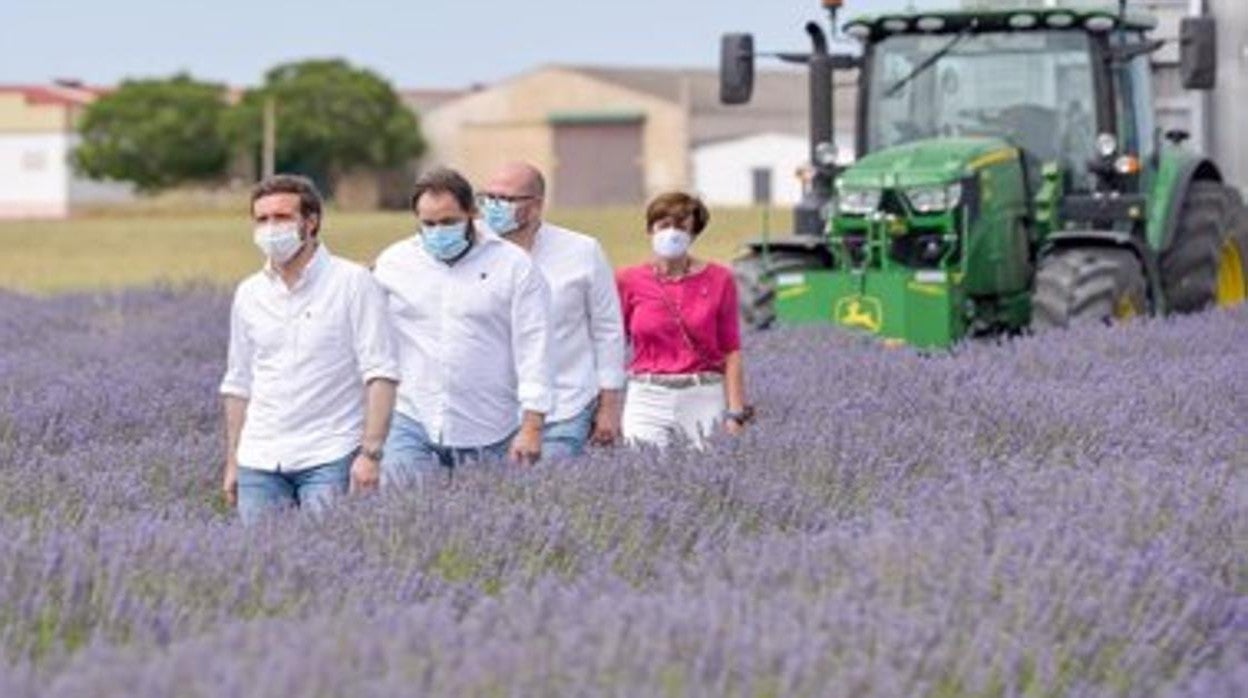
[
  {"x": 499, "y": 215},
  {"x": 445, "y": 242}
]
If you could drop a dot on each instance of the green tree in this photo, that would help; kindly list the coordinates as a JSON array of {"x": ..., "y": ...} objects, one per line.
[
  {"x": 156, "y": 133},
  {"x": 331, "y": 118}
]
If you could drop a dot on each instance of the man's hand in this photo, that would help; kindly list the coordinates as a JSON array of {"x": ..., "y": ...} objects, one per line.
[
  {"x": 733, "y": 427},
  {"x": 526, "y": 447},
  {"x": 229, "y": 483},
  {"x": 365, "y": 474},
  {"x": 606, "y": 431}
]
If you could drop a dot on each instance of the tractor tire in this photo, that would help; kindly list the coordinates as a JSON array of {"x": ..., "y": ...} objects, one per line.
[
  {"x": 1091, "y": 284},
  {"x": 1232, "y": 287},
  {"x": 756, "y": 292},
  {"x": 1207, "y": 261}
]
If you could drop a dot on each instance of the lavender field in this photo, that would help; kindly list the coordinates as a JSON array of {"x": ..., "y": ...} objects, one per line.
[{"x": 1065, "y": 515}]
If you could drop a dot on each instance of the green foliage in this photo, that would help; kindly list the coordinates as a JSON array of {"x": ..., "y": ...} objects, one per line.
[
  {"x": 156, "y": 134},
  {"x": 331, "y": 118}
]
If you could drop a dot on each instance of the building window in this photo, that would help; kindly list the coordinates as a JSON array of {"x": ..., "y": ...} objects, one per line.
[{"x": 760, "y": 178}]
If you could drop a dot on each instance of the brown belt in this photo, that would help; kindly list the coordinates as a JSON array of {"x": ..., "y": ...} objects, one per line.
[{"x": 678, "y": 380}]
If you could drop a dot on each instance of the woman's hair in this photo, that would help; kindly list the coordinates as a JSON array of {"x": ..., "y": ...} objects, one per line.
[{"x": 680, "y": 208}]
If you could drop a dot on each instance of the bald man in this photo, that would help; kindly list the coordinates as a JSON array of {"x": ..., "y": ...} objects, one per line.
[{"x": 587, "y": 332}]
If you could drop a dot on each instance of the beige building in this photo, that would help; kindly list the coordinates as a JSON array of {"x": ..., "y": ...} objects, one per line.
[
  {"x": 37, "y": 137},
  {"x": 608, "y": 136}
]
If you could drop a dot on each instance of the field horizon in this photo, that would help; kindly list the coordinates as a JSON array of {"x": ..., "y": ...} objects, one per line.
[{"x": 113, "y": 250}]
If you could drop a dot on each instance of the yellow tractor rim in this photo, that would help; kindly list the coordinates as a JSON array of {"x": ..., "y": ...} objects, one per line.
[
  {"x": 1230, "y": 288},
  {"x": 1124, "y": 308}
]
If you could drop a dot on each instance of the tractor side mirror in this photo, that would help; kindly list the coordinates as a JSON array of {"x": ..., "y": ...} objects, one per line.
[
  {"x": 1198, "y": 65},
  {"x": 736, "y": 68}
]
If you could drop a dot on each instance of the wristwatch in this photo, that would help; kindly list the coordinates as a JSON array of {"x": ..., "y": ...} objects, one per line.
[
  {"x": 373, "y": 454},
  {"x": 743, "y": 417}
]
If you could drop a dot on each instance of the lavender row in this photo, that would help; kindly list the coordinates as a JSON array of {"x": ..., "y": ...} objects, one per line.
[{"x": 1062, "y": 515}]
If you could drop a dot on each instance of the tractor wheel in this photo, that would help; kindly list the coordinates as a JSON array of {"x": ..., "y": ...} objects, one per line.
[
  {"x": 1232, "y": 288},
  {"x": 756, "y": 291},
  {"x": 1088, "y": 284},
  {"x": 1208, "y": 258}
]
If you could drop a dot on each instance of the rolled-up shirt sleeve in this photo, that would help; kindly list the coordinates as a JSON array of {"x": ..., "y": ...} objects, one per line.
[
  {"x": 530, "y": 339},
  {"x": 237, "y": 380},
  {"x": 606, "y": 324},
  {"x": 376, "y": 351}
]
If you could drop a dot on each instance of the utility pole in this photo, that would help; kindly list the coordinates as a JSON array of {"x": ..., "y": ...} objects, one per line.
[{"x": 269, "y": 153}]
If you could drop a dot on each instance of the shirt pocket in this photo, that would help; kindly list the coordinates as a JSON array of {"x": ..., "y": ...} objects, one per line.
[
  {"x": 324, "y": 329},
  {"x": 482, "y": 296}
]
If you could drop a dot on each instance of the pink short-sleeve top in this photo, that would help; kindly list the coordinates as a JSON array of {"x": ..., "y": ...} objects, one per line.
[{"x": 684, "y": 325}]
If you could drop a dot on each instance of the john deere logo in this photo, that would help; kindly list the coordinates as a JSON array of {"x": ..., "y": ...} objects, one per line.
[{"x": 863, "y": 312}]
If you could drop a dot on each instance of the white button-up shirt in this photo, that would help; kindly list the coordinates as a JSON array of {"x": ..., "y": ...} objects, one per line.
[
  {"x": 473, "y": 338},
  {"x": 301, "y": 356},
  {"x": 587, "y": 330}
]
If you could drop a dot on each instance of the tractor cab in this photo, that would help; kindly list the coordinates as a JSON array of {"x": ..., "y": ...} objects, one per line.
[{"x": 1037, "y": 90}]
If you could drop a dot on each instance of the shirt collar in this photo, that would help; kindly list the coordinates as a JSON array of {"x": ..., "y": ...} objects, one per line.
[
  {"x": 539, "y": 235},
  {"x": 485, "y": 237},
  {"x": 314, "y": 268}
]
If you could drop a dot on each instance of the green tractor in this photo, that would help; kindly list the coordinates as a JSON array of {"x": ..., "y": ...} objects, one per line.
[{"x": 1011, "y": 175}]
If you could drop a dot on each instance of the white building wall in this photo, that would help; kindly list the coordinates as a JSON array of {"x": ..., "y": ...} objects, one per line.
[
  {"x": 723, "y": 172},
  {"x": 1213, "y": 118},
  {"x": 1228, "y": 101},
  {"x": 38, "y": 181},
  {"x": 83, "y": 191},
  {"x": 34, "y": 175}
]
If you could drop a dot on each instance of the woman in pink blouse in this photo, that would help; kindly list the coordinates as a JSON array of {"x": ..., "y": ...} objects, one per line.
[{"x": 680, "y": 317}]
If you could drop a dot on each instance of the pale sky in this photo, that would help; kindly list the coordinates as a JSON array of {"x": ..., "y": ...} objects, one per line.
[{"x": 415, "y": 44}]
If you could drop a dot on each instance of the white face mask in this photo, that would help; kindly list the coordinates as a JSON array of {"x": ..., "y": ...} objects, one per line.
[
  {"x": 671, "y": 243},
  {"x": 279, "y": 241}
]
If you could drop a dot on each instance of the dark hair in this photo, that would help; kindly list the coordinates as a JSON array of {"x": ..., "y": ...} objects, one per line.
[
  {"x": 679, "y": 207},
  {"x": 444, "y": 180},
  {"x": 310, "y": 203}
]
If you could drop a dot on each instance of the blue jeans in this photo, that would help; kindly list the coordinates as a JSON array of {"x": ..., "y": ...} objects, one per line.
[
  {"x": 411, "y": 457},
  {"x": 567, "y": 438},
  {"x": 262, "y": 492}
]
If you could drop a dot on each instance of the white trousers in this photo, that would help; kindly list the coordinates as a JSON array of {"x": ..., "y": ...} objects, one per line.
[{"x": 658, "y": 415}]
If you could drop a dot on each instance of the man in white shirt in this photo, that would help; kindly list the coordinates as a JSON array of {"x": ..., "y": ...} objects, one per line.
[
  {"x": 470, "y": 315},
  {"x": 309, "y": 385},
  {"x": 586, "y": 325}
]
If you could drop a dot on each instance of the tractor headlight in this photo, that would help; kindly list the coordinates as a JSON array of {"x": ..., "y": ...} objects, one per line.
[
  {"x": 859, "y": 202},
  {"x": 935, "y": 199}
]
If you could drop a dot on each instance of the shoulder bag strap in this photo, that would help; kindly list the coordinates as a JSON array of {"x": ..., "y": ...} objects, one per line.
[{"x": 690, "y": 342}]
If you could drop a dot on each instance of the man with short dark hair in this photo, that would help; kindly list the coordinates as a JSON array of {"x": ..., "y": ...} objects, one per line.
[
  {"x": 310, "y": 381},
  {"x": 470, "y": 315},
  {"x": 587, "y": 328}
]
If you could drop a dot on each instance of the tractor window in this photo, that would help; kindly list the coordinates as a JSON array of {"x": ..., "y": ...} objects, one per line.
[
  {"x": 1031, "y": 88},
  {"x": 1137, "y": 124}
]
